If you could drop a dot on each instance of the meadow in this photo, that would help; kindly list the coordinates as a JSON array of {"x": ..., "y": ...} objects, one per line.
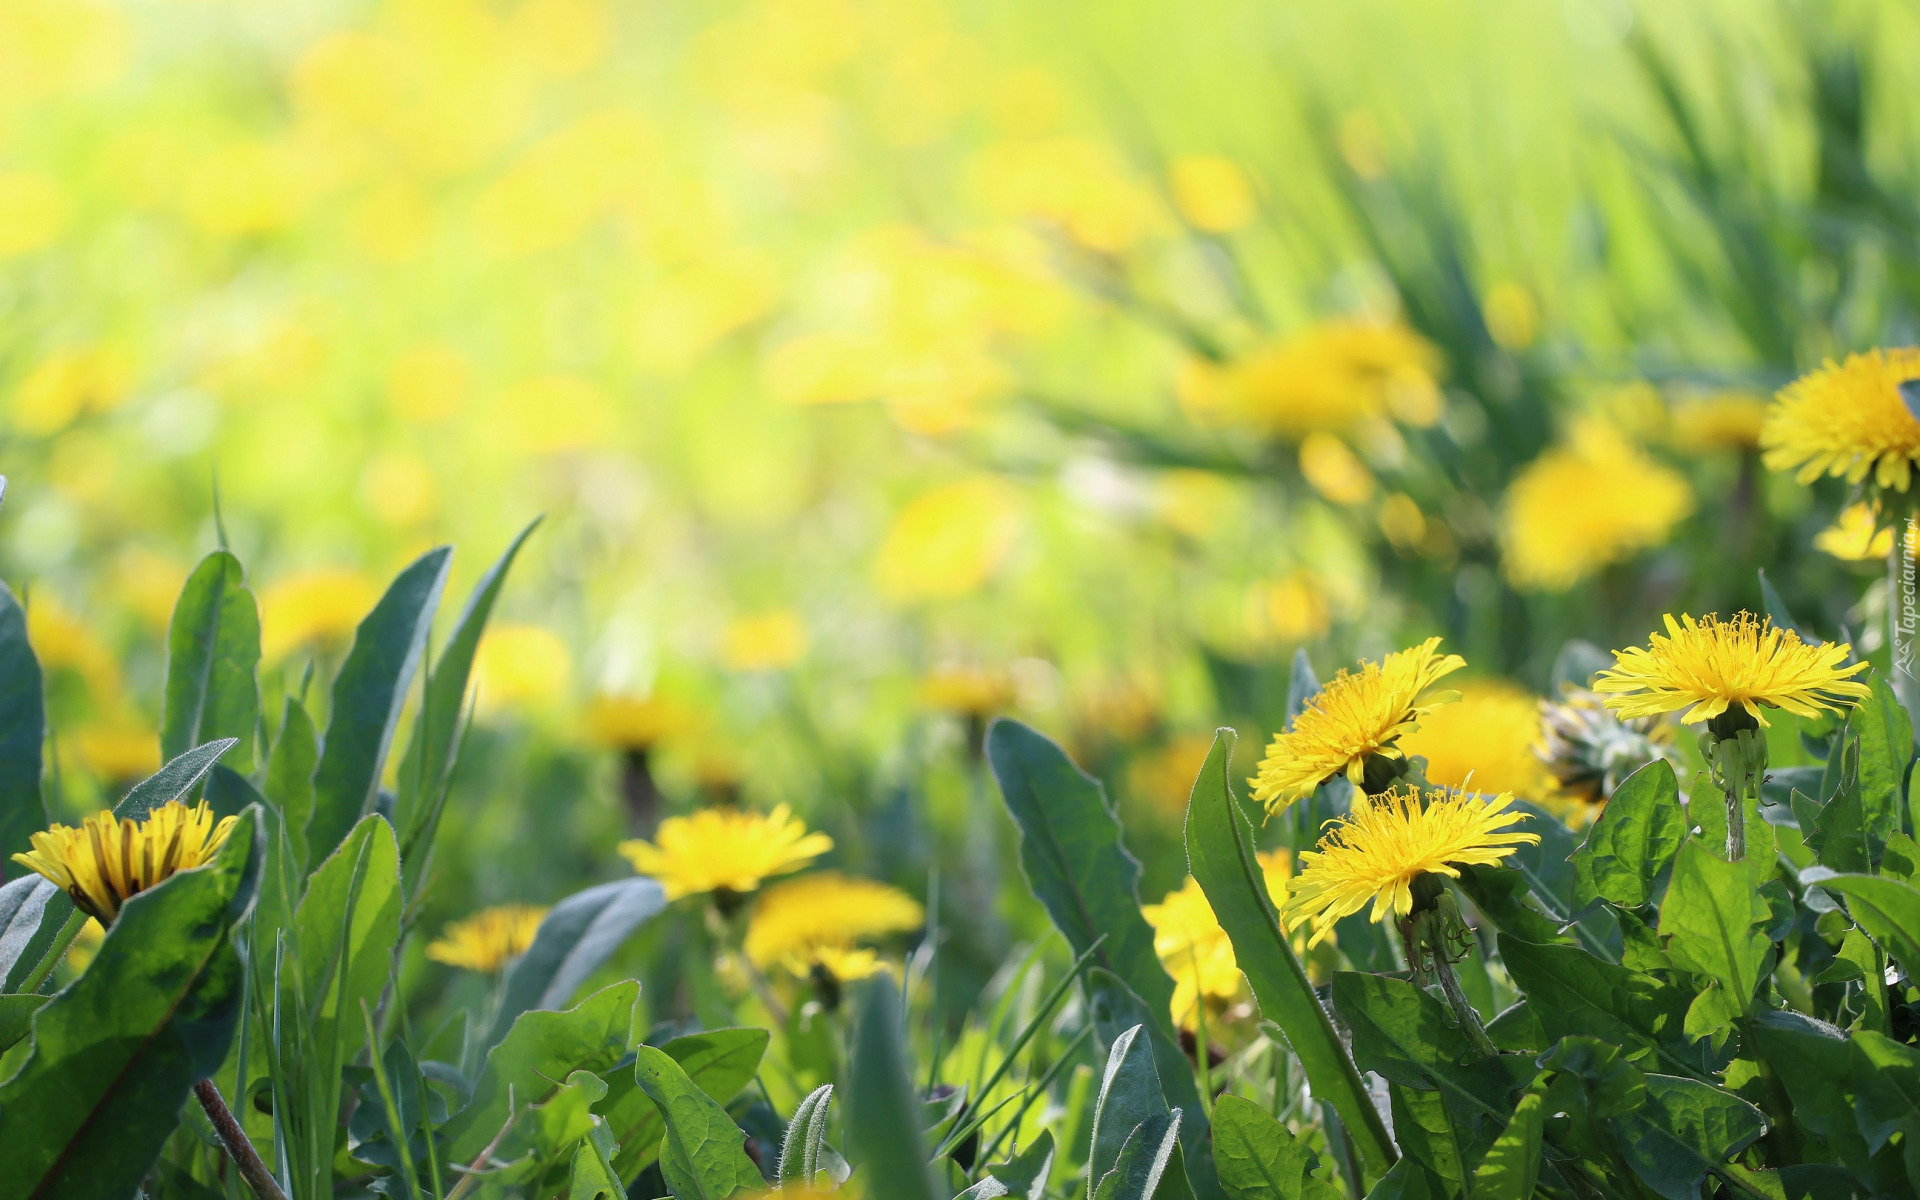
[{"x": 1239, "y": 601}]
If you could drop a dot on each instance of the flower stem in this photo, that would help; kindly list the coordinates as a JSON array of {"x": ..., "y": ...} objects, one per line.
[
  {"x": 55, "y": 952},
  {"x": 1736, "y": 824},
  {"x": 1463, "y": 1010},
  {"x": 239, "y": 1147}
]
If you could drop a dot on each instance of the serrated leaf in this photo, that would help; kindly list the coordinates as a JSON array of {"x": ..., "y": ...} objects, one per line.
[
  {"x": 542, "y": 1047},
  {"x": 116, "y": 1052},
  {"x": 1220, "y": 854},
  {"x": 719, "y": 1061},
  {"x": 883, "y": 1133},
  {"x": 213, "y": 652},
  {"x": 1409, "y": 1038},
  {"x": 368, "y": 696},
  {"x": 1574, "y": 994},
  {"x": 1259, "y": 1159},
  {"x": 1889, "y": 909},
  {"x": 702, "y": 1154},
  {"x": 1025, "y": 1175},
  {"x": 574, "y": 939},
  {"x": 1511, "y": 1167},
  {"x": 1886, "y": 750},
  {"x": 1684, "y": 1131},
  {"x": 23, "y": 729},
  {"x": 1426, "y": 1133},
  {"x": 1076, "y": 861},
  {"x": 1634, "y": 840},
  {"x": 1713, "y": 917}
]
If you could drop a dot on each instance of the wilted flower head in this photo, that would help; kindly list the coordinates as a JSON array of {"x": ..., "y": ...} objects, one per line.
[
  {"x": 485, "y": 941},
  {"x": 1376, "y": 853},
  {"x": 1710, "y": 666},
  {"x": 724, "y": 849},
  {"x": 1351, "y": 719},
  {"x": 1589, "y": 749},
  {"x": 107, "y": 860},
  {"x": 1848, "y": 419}
]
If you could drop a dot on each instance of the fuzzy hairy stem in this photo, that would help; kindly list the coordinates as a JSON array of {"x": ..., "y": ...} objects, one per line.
[
  {"x": 239, "y": 1147},
  {"x": 1463, "y": 1010}
]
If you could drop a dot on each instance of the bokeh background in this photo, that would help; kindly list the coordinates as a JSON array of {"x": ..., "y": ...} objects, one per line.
[{"x": 883, "y": 365}]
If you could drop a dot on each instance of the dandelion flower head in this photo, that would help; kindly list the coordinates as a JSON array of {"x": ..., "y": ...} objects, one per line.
[
  {"x": 485, "y": 941},
  {"x": 107, "y": 860},
  {"x": 724, "y": 849},
  {"x": 1488, "y": 742},
  {"x": 1847, "y": 419},
  {"x": 1710, "y": 665},
  {"x": 1353, "y": 717},
  {"x": 1376, "y": 853},
  {"x": 821, "y": 919}
]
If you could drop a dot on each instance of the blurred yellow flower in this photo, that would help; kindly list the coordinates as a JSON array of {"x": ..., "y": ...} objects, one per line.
[
  {"x": 768, "y": 641},
  {"x": 62, "y": 641},
  {"x": 724, "y": 850},
  {"x": 428, "y": 383},
  {"x": 1076, "y": 184},
  {"x": 1402, "y": 521},
  {"x": 1847, "y": 419},
  {"x": 1165, "y": 776},
  {"x": 1352, "y": 718},
  {"x": 1294, "y": 608},
  {"x": 49, "y": 49},
  {"x": 1386, "y": 843},
  {"x": 521, "y": 666},
  {"x": 948, "y": 541},
  {"x": 969, "y": 691},
  {"x": 821, "y": 919},
  {"x": 108, "y": 860},
  {"x": 67, "y": 384},
  {"x": 312, "y": 608},
  {"x": 399, "y": 488},
  {"x": 678, "y": 320},
  {"x": 1194, "y": 502},
  {"x": 485, "y": 941},
  {"x": 1196, "y": 951},
  {"x": 149, "y": 583},
  {"x": 1335, "y": 471},
  {"x": 248, "y": 187},
  {"x": 1578, "y": 508},
  {"x": 634, "y": 722},
  {"x": 1721, "y": 421},
  {"x": 1513, "y": 319},
  {"x": 1333, "y": 377},
  {"x": 32, "y": 211},
  {"x": 117, "y": 748},
  {"x": 1856, "y": 535},
  {"x": 1710, "y": 666},
  {"x": 1489, "y": 741},
  {"x": 552, "y": 414},
  {"x": 1212, "y": 193}
]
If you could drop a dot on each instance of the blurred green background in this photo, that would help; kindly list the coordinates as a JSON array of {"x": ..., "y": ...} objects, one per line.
[{"x": 881, "y": 366}]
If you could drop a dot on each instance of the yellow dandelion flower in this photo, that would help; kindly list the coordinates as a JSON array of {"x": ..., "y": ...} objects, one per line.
[
  {"x": 1709, "y": 666},
  {"x": 485, "y": 941},
  {"x": 1855, "y": 535},
  {"x": 1374, "y": 855},
  {"x": 1196, "y": 951},
  {"x": 1721, "y": 421},
  {"x": 724, "y": 849},
  {"x": 108, "y": 860},
  {"x": 1353, "y": 717},
  {"x": 820, "y": 919},
  {"x": 1847, "y": 419},
  {"x": 633, "y": 722},
  {"x": 968, "y": 691},
  {"x": 1488, "y": 742},
  {"x": 1575, "y": 509},
  {"x": 1333, "y": 377},
  {"x": 315, "y": 606}
]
